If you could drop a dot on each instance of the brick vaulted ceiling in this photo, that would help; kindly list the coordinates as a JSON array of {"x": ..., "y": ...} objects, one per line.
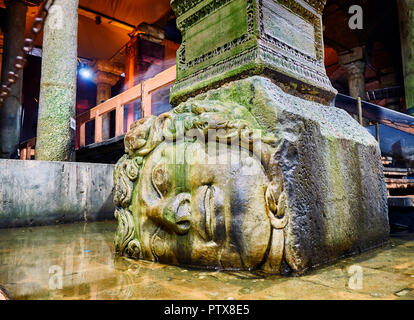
[{"x": 104, "y": 40}]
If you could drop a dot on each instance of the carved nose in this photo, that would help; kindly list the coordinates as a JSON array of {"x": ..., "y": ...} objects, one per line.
[{"x": 177, "y": 214}]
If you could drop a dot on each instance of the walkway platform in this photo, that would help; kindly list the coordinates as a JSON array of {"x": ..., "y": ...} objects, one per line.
[{"x": 108, "y": 151}]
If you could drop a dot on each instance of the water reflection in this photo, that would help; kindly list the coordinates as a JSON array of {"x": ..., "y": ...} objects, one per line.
[{"x": 77, "y": 262}]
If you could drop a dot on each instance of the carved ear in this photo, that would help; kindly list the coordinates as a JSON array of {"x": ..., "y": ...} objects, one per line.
[
  {"x": 134, "y": 249},
  {"x": 276, "y": 204},
  {"x": 159, "y": 179},
  {"x": 271, "y": 198}
]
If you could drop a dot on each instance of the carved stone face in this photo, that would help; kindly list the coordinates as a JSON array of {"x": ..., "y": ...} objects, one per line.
[{"x": 209, "y": 210}]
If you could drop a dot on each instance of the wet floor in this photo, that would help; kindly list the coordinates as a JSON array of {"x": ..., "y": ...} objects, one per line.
[{"x": 77, "y": 262}]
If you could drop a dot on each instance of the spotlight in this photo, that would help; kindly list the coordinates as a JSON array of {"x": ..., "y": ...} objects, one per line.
[{"x": 85, "y": 73}]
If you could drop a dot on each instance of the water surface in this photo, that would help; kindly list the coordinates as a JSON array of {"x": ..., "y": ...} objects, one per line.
[{"x": 77, "y": 261}]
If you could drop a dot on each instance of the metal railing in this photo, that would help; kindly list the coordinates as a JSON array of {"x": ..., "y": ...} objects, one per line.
[
  {"x": 376, "y": 114},
  {"x": 141, "y": 91},
  {"x": 27, "y": 149}
]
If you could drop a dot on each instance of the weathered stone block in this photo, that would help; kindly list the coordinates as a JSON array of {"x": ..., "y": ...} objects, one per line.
[
  {"x": 297, "y": 185},
  {"x": 332, "y": 169},
  {"x": 225, "y": 40},
  {"x": 42, "y": 193}
]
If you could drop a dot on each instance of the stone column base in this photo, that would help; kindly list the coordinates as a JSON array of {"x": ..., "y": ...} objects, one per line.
[
  {"x": 332, "y": 170},
  {"x": 297, "y": 184}
]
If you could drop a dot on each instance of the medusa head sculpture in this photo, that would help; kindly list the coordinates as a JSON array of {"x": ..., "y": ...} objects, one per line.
[{"x": 200, "y": 186}]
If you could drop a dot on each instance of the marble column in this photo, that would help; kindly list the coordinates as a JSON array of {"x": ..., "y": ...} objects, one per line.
[
  {"x": 11, "y": 111},
  {"x": 1, "y": 50},
  {"x": 406, "y": 17},
  {"x": 355, "y": 66},
  {"x": 106, "y": 76},
  {"x": 356, "y": 79},
  {"x": 57, "y": 101},
  {"x": 131, "y": 74}
]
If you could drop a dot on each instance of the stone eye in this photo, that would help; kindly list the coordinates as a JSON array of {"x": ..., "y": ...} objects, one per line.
[{"x": 160, "y": 179}]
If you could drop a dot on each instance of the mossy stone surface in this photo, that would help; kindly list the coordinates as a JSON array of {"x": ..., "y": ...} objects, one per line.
[
  {"x": 406, "y": 17},
  {"x": 55, "y": 137},
  {"x": 226, "y": 40},
  {"x": 333, "y": 176}
]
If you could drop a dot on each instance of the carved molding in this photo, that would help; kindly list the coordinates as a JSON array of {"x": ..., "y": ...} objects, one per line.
[
  {"x": 101, "y": 77},
  {"x": 264, "y": 45},
  {"x": 109, "y": 67},
  {"x": 183, "y": 64},
  {"x": 182, "y": 6},
  {"x": 355, "y": 69}
]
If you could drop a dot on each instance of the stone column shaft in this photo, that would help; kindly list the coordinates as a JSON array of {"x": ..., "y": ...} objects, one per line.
[
  {"x": 103, "y": 92},
  {"x": 106, "y": 76},
  {"x": 356, "y": 79},
  {"x": 104, "y": 82},
  {"x": 355, "y": 66},
  {"x": 55, "y": 137},
  {"x": 354, "y": 63},
  {"x": 1, "y": 51},
  {"x": 11, "y": 111}
]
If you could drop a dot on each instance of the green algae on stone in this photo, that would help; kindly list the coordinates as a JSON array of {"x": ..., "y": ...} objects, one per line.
[
  {"x": 229, "y": 40},
  {"x": 322, "y": 182},
  {"x": 406, "y": 16},
  {"x": 55, "y": 137}
]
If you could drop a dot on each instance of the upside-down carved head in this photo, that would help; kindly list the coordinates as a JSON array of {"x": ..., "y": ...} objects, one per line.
[{"x": 200, "y": 186}]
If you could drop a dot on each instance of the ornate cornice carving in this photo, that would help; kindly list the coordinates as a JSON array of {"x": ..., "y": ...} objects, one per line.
[
  {"x": 355, "y": 69},
  {"x": 294, "y": 53},
  {"x": 181, "y": 6},
  {"x": 319, "y": 5}
]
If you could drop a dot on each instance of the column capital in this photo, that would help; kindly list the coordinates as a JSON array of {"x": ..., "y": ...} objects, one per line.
[
  {"x": 356, "y": 54},
  {"x": 101, "y": 77},
  {"x": 110, "y": 67},
  {"x": 354, "y": 64},
  {"x": 107, "y": 72},
  {"x": 181, "y": 6},
  {"x": 356, "y": 68}
]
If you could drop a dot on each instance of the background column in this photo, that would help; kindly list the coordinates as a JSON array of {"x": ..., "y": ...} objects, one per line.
[
  {"x": 11, "y": 111},
  {"x": 355, "y": 66},
  {"x": 406, "y": 16},
  {"x": 106, "y": 76}
]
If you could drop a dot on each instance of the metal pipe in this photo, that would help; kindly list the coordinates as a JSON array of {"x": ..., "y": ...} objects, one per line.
[
  {"x": 359, "y": 101},
  {"x": 92, "y": 14}
]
